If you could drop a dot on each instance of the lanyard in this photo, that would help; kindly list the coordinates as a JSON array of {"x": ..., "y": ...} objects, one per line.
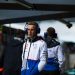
[{"x": 25, "y": 49}]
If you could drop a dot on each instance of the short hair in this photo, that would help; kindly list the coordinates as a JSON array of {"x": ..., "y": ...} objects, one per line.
[
  {"x": 51, "y": 32},
  {"x": 35, "y": 24}
]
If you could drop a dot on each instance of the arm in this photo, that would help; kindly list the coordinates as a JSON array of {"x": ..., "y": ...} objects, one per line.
[
  {"x": 61, "y": 57},
  {"x": 23, "y": 59},
  {"x": 23, "y": 51},
  {"x": 43, "y": 59}
]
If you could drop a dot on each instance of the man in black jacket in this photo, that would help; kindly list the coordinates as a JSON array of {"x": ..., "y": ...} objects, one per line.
[
  {"x": 1, "y": 52},
  {"x": 12, "y": 58}
]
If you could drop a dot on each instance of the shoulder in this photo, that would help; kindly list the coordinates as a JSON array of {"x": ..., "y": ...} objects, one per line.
[
  {"x": 42, "y": 44},
  {"x": 53, "y": 43},
  {"x": 41, "y": 40}
]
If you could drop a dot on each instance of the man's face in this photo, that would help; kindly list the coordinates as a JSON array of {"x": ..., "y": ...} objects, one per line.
[{"x": 31, "y": 31}]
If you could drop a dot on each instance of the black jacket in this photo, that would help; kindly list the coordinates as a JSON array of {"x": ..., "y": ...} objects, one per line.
[{"x": 12, "y": 57}]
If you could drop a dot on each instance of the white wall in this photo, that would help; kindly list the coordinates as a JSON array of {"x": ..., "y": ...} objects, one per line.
[{"x": 64, "y": 33}]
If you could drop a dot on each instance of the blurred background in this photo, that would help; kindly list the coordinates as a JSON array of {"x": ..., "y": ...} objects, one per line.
[{"x": 60, "y": 14}]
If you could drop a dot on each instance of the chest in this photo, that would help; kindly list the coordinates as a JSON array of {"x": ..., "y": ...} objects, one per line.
[
  {"x": 32, "y": 51},
  {"x": 52, "y": 52}
]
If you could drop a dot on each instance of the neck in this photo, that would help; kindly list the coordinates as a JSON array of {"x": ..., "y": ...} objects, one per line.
[{"x": 32, "y": 39}]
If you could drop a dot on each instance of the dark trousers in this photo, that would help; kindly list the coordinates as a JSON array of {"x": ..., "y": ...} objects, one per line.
[
  {"x": 11, "y": 72},
  {"x": 57, "y": 72}
]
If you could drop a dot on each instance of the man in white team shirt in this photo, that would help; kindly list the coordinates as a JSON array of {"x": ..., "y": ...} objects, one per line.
[
  {"x": 55, "y": 53},
  {"x": 34, "y": 55}
]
